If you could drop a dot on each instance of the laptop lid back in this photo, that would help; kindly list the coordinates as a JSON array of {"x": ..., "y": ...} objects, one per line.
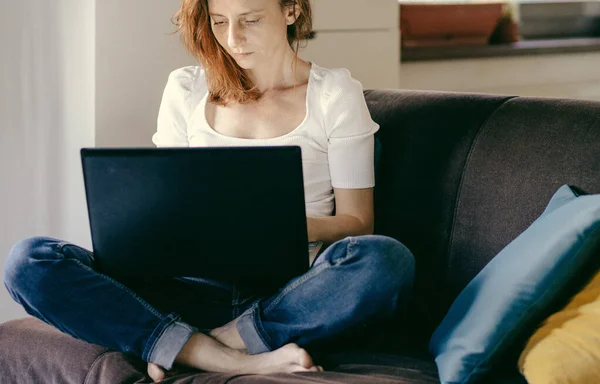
[{"x": 233, "y": 214}]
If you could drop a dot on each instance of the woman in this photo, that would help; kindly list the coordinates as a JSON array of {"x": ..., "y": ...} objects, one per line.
[{"x": 251, "y": 89}]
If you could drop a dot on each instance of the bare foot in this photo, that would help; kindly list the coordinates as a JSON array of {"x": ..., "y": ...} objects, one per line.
[
  {"x": 229, "y": 335},
  {"x": 205, "y": 353},
  {"x": 289, "y": 358}
]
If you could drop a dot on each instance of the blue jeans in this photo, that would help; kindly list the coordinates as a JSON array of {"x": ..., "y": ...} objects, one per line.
[{"x": 355, "y": 281}]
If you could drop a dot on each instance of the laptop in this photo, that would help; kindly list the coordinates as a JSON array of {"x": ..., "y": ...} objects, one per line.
[{"x": 235, "y": 215}]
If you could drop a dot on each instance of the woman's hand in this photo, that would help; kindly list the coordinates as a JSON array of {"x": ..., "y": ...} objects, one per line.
[{"x": 354, "y": 217}]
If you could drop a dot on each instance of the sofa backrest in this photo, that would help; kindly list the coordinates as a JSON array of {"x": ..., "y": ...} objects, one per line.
[{"x": 461, "y": 175}]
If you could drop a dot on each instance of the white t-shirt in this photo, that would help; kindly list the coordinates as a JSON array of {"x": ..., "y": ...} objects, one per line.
[{"x": 336, "y": 136}]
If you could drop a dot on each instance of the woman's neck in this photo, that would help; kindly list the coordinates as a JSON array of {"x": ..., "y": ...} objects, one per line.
[{"x": 283, "y": 72}]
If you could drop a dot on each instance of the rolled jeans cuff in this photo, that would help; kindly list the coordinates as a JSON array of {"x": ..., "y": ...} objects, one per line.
[
  {"x": 169, "y": 344},
  {"x": 251, "y": 332}
]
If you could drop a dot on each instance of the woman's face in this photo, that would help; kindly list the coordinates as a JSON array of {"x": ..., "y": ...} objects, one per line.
[{"x": 251, "y": 31}]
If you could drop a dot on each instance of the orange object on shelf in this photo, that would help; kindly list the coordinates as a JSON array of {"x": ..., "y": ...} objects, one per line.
[{"x": 448, "y": 24}]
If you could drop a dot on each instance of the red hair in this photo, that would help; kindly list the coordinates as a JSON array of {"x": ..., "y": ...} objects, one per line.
[{"x": 226, "y": 80}]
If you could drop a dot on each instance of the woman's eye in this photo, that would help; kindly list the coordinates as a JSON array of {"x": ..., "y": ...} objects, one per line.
[
  {"x": 253, "y": 21},
  {"x": 218, "y": 22}
]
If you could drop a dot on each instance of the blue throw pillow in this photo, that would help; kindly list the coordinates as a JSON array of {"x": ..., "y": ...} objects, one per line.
[{"x": 517, "y": 287}]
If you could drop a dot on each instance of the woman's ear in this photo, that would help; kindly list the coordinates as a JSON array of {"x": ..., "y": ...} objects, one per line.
[{"x": 292, "y": 13}]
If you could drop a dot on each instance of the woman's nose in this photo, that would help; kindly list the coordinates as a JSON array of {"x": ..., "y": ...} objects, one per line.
[{"x": 236, "y": 36}]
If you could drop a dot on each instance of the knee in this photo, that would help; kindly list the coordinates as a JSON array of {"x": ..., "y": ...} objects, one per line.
[
  {"x": 389, "y": 263},
  {"x": 20, "y": 269}
]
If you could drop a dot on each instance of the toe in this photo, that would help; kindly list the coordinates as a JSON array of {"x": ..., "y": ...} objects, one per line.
[
  {"x": 304, "y": 359},
  {"x": 155, "y": 372}
]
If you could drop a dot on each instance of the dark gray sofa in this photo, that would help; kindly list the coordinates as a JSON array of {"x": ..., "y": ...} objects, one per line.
[{"x": 461, "y": 175}]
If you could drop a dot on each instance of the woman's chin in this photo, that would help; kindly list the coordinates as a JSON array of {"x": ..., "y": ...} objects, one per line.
[
  {"x": 245, "y": 66},
  {"x": 245, "y": 61}
]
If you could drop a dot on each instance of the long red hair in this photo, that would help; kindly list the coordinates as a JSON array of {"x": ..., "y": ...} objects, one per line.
[{"x": 227, "y": 81}]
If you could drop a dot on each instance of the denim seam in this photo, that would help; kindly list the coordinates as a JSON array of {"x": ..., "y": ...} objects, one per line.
[
  {"x": 310, "y": 274},
  {"x": 154, "y": 339},
  {"x": 297, "y": 283},
  {"x": 146, "y": 305},
  {"x": 161, "y": 329},
  {"x": 260, "y": 331}
]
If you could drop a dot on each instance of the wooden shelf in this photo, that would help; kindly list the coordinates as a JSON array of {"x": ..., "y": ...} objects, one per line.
[{"x": 522, "y": 48}]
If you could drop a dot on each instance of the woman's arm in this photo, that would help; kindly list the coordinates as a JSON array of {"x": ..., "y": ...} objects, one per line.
[
  {"x": 354, "y": 217},
  {"x": 350, "y": 134}
]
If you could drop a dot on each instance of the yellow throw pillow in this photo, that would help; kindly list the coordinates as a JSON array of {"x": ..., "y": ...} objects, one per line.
[{"x": 566, "y": 348}]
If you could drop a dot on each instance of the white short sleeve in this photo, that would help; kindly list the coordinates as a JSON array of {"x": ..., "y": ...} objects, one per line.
[
  {"x": 175, "y": 109},
  {"x": 350, "y": 132}
]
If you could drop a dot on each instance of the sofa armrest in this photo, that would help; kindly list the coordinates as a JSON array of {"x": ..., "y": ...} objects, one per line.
[{"x": 34, "y": 352}]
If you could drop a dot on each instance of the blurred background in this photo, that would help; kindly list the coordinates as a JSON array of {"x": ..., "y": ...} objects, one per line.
[{"x": 85, "y": 73}]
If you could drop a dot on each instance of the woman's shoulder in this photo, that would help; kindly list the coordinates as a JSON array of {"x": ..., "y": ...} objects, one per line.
[
  {"x": 188, "y": 83},
  {"x": 336, "y": 81},
  {"x": 338, "y": 89},
  {"x": 186, "y": 77}
]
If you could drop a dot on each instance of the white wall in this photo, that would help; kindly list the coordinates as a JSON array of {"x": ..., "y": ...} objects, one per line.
[
  {"x": 136, "y": 51},
  {"x": 572, "y": 75},
  {"x": 77, "y": 27},
  {"x": 74, "y": 73},
  {"x": 46, "y": 115}
]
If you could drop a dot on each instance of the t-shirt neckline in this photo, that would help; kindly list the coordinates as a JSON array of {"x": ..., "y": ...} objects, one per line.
[{"x": 292, "y": 132}]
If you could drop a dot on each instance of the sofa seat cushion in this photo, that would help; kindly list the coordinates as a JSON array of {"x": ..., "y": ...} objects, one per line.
[{"x": 33, "y": 352}]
